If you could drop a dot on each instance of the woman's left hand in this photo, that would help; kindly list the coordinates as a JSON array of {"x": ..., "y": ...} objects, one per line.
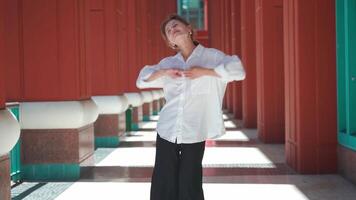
[{"x": 196, "y": 72}]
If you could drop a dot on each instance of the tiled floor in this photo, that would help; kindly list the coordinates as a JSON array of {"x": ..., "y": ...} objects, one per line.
[{"x": 236, "y": 166}]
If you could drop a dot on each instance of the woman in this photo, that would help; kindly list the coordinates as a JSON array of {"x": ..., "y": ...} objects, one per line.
[{"x": 194, "y": 83}]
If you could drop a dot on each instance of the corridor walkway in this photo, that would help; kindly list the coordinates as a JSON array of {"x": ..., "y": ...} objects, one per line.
[{"x": 236, "y": 166}]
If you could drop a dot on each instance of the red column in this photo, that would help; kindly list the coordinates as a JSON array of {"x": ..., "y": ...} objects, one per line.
[
  {"x": 224, "y": 34},
  {"x": 216, "y": 30},
  {"x": 149, "y": 46},
  {"x": 5, "y": 182},
  {"x": 132, "y": 46},
  {"x": 248, "y": 56},
  {"x": 215, "y": 25},
  {"x": 228, "y": 49},
  {"x": 2, "y": 53},
  {"x": 309, "y": 32},
  {"x": 225, "y": 13},
  {"x": 236, "y": 49},
  {"x": 103, "y": 47},
  {"x": 123, "y": 43},
  {"x": 270, "y": 76}
]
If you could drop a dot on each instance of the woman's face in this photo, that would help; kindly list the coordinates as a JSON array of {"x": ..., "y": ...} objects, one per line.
[{"x": 175, "y": 29}]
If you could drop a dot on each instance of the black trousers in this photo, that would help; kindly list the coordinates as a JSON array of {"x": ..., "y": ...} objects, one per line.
[{"x": 178, "y": 173}]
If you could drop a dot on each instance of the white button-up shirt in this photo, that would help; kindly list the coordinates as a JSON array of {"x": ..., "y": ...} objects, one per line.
[{"x": 193, "y": 109}]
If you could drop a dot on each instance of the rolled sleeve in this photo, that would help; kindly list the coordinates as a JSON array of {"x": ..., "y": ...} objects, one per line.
[
  {"x": 145, "y": 73},
  {"x": 229, "y": 68}
]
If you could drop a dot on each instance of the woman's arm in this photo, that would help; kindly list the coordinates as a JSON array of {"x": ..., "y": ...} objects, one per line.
[
  {"x": 145, "y": 74},
  {"x": 151, "y": 76},
  {"x": 173, "y": 73},
  {"x": 229, "y": 68}
]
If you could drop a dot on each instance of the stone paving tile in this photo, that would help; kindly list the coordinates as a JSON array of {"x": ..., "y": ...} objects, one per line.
[
  {"x": 39, "y": 191},
  {"x": 236, "y": 165}
]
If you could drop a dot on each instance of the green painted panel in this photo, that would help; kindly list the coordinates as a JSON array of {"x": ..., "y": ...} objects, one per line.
[
  {"x": 346, "y": 71},
  {"x": 347, "y": 141},
  {"x": 107, "y": 142},
  {"x": 351, "y": 66},
  {"x": 15, "y": 153},
  {"x": 128, "y": 118},
  {"x": 51, "y": 172},
  {"x": 134, "y": 127},
  {"x": 146, "y": 118},
  {"x": 341, "y": 91}
]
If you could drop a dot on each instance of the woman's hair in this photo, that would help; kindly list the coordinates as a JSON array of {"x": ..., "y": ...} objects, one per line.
[{"x": 178, "y": 18}]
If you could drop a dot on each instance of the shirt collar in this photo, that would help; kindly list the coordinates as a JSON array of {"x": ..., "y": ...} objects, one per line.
[{"x": 198, "y": 50}]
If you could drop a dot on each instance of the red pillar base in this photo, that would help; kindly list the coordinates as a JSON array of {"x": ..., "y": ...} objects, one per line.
[
  {"x": 137, "y": 115},
  {"x": 56, "y": 154},
  {"x": 162, "y": 101},
  {"x": 156, "y": 107},
  {"x": 147, "y": 111},
  {"x": 347, "y": 163},
  {"x": 5, "y": 187},
  {"x": 109, "y": 125}
]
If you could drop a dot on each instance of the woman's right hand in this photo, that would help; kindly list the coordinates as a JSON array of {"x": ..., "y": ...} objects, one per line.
[{"x": 173, "y": 73}]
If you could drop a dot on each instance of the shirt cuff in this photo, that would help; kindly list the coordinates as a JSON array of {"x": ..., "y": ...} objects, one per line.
[{"x": 146, "y": 76}]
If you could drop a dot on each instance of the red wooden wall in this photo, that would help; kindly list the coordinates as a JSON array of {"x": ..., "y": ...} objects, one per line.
[
  {"x": 47, "y": 56},
  {"x": 203, "y": 37},
  {"x": 270, "y": 70},
  {"x": 310, "y": 73},
  {"x": 103, "y": 47},
  {"x": 74, "y": 49},
  {"x": 2, "y": 50},
  {"x": 248, "y": 56},
  {"x": 129, "y": 32}
]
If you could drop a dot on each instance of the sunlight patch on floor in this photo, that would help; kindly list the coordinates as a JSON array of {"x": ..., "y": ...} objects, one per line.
[
  {"x": 154, "y": 117},
  {"x": 214, "y": 157},
  {"x": 148, "y": 125},
  {"x": 212, "y": 191},
  {"x": 238, "y": 135},
  {"x": 139, "y": 136},
  {"x": 230, "y": 124}
]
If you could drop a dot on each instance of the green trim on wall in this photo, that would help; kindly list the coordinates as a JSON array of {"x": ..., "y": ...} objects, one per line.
[
  {"x": 128, "y": 119},
  {"x": 155, "y": 113},
  {"x": 347, "y": 141},
  {"x": 134, "y": 127},
  {"x": 130, "y": 125},
  {"x": 16, "y": 111},
  {"x": 15, "y": 160},
  {"x": 146, "y": 118},
  {"x": 15, "y": 153},
  {"x": 107, "y": 142},
  {"x": 51, "y": 172},
  {"x": 346, "y": 71}
]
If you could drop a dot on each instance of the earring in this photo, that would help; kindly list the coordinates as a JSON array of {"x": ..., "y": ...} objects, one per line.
[{"x": 174, "y": 46}]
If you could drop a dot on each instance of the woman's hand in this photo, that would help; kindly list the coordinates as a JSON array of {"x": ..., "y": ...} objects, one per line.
[
  {"x": 173, "y": 73},
  {"x": 196, "y": 72}
]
